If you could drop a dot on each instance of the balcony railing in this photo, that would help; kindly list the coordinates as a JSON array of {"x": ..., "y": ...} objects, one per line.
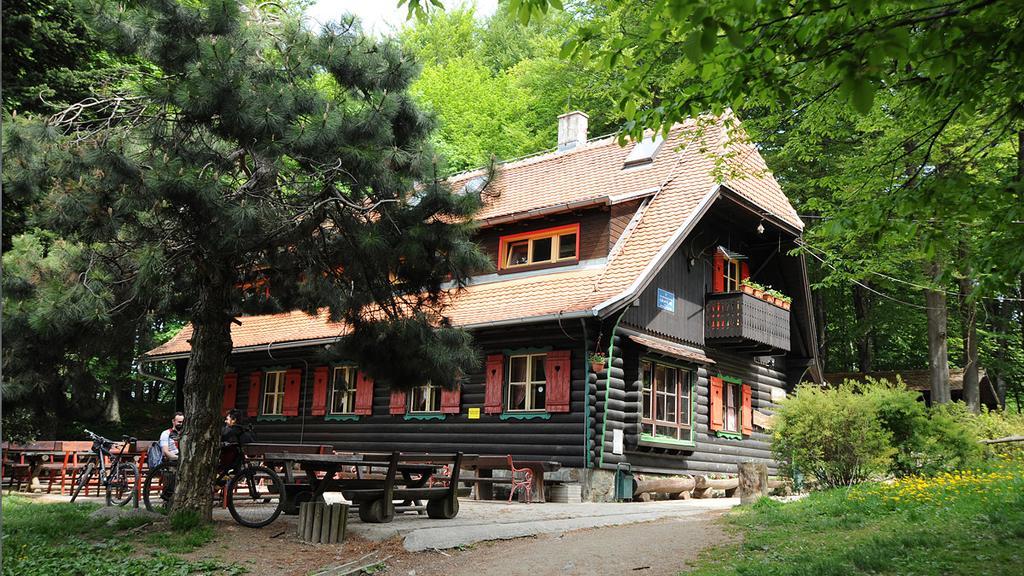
[{"x": 741, "y": 321}]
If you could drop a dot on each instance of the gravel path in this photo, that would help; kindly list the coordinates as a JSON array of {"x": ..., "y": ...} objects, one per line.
[{"x": 660, "y": 548}]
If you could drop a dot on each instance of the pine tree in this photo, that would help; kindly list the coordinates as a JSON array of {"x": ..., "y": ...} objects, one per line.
[{"x": 260, "y": 166}]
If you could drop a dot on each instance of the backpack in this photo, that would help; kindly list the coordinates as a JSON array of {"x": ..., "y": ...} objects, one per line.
[{"x": 154, "y": 456}]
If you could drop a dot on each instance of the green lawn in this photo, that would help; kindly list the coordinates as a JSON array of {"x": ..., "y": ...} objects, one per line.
[
  {"x": 969, "y": 523},
  {"x": 46, "y": 539}
]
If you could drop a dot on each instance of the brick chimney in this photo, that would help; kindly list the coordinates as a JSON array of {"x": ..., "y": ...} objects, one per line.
[{"x": 572, "y": 130}]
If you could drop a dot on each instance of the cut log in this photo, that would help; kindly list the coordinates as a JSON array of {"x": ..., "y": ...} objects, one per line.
[
  {"x": 664, "y": 485},
  {"x": 704, "y": 485},
  {"x": 753, "y": 481}
]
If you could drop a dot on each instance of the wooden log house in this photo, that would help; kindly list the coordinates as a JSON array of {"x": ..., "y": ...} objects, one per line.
[{"x": 636, "y": 252}]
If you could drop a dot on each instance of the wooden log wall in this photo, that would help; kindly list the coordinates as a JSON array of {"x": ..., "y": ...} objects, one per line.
[
  {"x": 711, "y": 454},
  {"x": 560, "y": 437}
]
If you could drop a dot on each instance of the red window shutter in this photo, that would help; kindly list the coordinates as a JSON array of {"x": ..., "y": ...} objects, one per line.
[
  {"x": 558, "y": 373},
  {"x": 292, "y": 391},
  {"x": 320, "y": 375},
  {"x": 494, "y": 378},
  {"x": 744, "y": 270},
  {"x": 364, "y": 394},
  {"x": 715, "y": 397},
  {"x": 230, "y": 392},
  {"x": 718, "y": 272},
  {"x": 747, "y": 416},
  {"x": 398, "y": 403},
  {"x": 451, "y": 400},
  {"x": 255, "y": 379}
]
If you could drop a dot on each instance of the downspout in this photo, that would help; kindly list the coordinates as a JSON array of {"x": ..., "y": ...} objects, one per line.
[
  {"x": 141, "y": 371},
  {"x": 608, "y": 380},
  {"x": 586, "y": 395}
]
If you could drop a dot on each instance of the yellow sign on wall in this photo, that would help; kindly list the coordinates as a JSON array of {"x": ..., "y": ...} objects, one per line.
[{"x": 474, "y": 413}]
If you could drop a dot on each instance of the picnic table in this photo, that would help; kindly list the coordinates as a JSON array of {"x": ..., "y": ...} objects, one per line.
[
  {"x": 34, "y": 456},
  {"x": 375, "y": 497}
]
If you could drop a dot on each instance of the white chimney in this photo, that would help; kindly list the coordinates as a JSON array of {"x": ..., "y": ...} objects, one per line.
[{"x": 572, "y": 130}]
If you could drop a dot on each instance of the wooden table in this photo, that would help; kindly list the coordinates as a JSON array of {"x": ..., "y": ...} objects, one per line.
[
  {"x": 484, "y": 467},
  {"x": 35, "y": 458},
  {"x": 374, "y": 497}
]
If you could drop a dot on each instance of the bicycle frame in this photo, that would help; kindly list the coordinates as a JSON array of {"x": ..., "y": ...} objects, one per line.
[{"x": 102, "y": 453}]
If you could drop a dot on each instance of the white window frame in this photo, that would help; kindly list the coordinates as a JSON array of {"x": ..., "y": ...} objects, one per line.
[
  {"x": 732, "y": 391},
  {"x": 349, "y": 375},
  {"x": 432, "y": 393},
  {"x": 529, "y": 384},
  {"x": 273, "y": 393}
]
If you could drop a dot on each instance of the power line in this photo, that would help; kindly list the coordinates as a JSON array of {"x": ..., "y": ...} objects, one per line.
[{"x": 810, "y": 250}]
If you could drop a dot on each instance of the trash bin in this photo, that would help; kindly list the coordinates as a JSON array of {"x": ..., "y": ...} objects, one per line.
[{"x": 623, "y": 482}]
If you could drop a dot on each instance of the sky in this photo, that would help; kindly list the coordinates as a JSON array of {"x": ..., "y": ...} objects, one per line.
[{"x": 380, "y": 16}]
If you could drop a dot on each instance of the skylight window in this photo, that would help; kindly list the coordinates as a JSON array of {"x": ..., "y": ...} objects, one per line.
[{"x": 643, "y": 151}]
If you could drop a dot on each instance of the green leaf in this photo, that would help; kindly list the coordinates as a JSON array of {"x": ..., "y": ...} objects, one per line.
[
  {"x": 863, "y": 95},
  {"x": 709, "y": 36}
]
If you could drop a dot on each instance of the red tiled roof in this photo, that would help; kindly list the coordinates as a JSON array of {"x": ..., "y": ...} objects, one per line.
[{"x": 695, "y": 158}]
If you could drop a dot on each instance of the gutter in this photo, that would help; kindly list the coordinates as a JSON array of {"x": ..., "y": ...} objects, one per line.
[
  {"x": 254, "y": 348},
  {"x": 531, "y": 319},
  {"x": 141, "y": 370}
]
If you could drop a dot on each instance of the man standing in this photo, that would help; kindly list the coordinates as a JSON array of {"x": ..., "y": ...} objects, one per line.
[{"x": 169, "y": 437}]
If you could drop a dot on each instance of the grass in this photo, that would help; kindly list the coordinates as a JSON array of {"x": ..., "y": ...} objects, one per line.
[
  {"x": 57, "y": 538},
  {"x": 969, "y": 523}
]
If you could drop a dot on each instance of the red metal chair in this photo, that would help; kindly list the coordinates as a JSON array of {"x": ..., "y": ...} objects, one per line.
[
  {"x": 445, "y": 474},
  {"x": 521, "y": 478}
]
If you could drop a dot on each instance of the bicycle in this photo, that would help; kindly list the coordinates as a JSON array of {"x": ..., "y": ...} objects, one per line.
[
  {"x": 254, "y": 492},
  {"x": 121, "y": 479}
]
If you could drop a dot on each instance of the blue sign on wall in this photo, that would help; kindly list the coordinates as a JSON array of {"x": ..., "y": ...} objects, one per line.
[{"x": 666, "y": 300}]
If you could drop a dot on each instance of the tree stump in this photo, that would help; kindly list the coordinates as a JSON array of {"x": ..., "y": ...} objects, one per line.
[
  {"x": 321, "y": 523},
  {"x": 753, "y": 481}
]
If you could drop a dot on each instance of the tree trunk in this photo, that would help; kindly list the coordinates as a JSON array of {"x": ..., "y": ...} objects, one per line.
[
  {"x": 112, "y": 411},
  {"x": 820, "y": 320},
  {"x": 969, "y": 317},
  {"x": 200, "y": 441},
  {"x": 865, "y": 333},
  {"x": 938, "y": 352}
]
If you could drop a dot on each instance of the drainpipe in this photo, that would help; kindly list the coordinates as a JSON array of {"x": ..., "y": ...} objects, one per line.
[
  {"x": 608, "y": 380},
  {"x": 586, "y": 395}
]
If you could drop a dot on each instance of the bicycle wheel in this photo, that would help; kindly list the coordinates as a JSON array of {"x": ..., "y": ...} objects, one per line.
[
  {"x": 255, "y": 496},
  {"x": 83, "y": 480},
  {"x": 158, "y": 489},
  {"x": 122, "y": 487}
]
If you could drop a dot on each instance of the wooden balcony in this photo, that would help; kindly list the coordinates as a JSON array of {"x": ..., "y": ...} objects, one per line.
[{"x": 740, "y": 322}]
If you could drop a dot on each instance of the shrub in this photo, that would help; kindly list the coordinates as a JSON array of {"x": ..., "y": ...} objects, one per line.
[
  {"x": 833, "y": 434},
  {"x": 988, "y": 425},
  {"x": 926, "y": 441}
]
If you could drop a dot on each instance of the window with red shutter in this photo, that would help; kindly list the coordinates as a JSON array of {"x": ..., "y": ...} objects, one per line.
[
  {"x": 292, "y": 391},
  {"x": 451, "y": 401},
  {"x": 255, "y": 379},
  {"x": 319, "y": 407},
  {"x": 718, "y": 272},
  {"x": 230, "y": 392},
  {"x": 398, "y": 403},
  {"x": 558, "y": 371},
  {"x": 747, "y": 414},
  {"x": 715, "y": 404},
  {"x": 364, "y": 394},
  {"x": 494, "y": 377}
]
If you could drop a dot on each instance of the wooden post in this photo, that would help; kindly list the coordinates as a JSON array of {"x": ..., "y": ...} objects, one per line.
[
  {"x": 320, "y": 523},
  {"x": 753, "y": 481}
]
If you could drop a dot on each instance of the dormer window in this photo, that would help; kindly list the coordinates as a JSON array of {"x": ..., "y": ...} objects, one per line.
[
  {"x": 550, "y": 246},
  {"x": 643, "y": 152}
]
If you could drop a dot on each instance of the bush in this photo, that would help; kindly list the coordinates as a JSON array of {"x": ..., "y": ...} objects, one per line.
[
  {"x": 832, "y": 434},
  {"x": 847, "y": 434},
  {"x": 988, "y": 425},
  {"x": 926, "y": 441}
]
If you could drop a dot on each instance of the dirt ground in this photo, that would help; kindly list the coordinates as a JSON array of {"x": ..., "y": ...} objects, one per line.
[{"x": 660, "y": 548}]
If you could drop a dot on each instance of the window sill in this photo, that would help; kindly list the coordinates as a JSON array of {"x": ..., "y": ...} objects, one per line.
[
  {"x": 525, "y": 416},
  {"x": 271, "y": 418},
  {"x": 341, "y": 417},
  {"x": 541, "y": 266},
  {"x": 665, "y": 441},
  {"x": 729, "y": 435},
  {"x": 425, "y": 416}
]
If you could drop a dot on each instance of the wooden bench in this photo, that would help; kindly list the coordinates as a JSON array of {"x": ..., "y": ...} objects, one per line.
[
  {"x": 259, "y": 450},
  {"x": 378, "y": 504}
]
